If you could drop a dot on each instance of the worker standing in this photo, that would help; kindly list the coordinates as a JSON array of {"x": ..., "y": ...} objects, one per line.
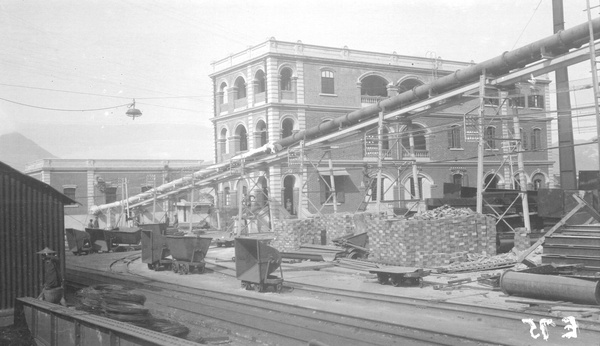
[{"x": 52, "y": 291}]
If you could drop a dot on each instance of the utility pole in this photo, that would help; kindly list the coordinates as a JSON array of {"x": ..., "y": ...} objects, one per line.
[
  {"x": 521, "y": 170},
  {"x": 594, "y": 76},
  {"x": 481, "y": 143}
]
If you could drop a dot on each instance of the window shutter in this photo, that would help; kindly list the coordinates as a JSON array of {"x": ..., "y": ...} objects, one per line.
[{"x": 450, "y": 138}]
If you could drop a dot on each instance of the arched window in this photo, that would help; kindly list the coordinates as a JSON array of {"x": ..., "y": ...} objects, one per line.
[
  {"x": 490, "y": 134},
  {"x": 261, "y": 134},
  {"x": 223, "y": 89},
  {"x": 223, "y": 142},
  {"x": 387, "y": 190},
  {"x": 287, "y": 127},
  {"x": 240, "y": 84},
  {"x": 423, "y": 185},
  {"x": 539, "y": 181},
  {"x": 327, "y": 82},
  {"x": 259, "y": 77},
  {"x": 285, "y": 78},
  {"x": 243, "y": 135},
  {"x": 536, "y": 139},
  {"x": 491, "y": 182},
  {"x": 457, "y": 179},
  {"x": 454, "y": 137},
  {"x": 373, "y": 86},
  {"x": 418, "y": 133},
  {"x": 408, "y": 84}
]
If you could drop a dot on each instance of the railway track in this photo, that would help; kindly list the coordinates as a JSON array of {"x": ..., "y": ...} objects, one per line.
[{"x": 350, "y": 318}]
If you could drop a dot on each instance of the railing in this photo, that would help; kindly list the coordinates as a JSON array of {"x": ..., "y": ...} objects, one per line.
[
  {"x": 371, "y": 99},
  {"x": 419, "y": 153},
  {"x": 374, "y": 152}
]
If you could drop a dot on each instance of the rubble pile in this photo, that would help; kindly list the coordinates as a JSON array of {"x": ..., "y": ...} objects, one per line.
[
  {"x": 474, "y": 262},
  {"x": 442, "y": 212},
  {"x": 119, "y": 303}
]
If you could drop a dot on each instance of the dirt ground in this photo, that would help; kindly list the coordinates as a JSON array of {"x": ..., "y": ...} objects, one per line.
[{"x": 15, "y": 336}]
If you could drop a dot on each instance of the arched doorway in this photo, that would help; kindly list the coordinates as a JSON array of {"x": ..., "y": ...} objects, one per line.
[
  {"x": 491, "y": 182},
  {"x": 290, "y": 197}
]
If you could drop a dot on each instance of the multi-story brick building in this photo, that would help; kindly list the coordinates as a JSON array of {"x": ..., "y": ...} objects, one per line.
[
  {"x": 275, "y": 89},
  {"x": 97, "y": 182}
]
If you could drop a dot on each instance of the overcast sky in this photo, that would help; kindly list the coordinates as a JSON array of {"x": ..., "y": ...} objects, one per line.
[{"x": 84, "y": 61}]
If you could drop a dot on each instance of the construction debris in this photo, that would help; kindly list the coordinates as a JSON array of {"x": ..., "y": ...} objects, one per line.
[
  {"x": 356, "y": 264},
  {"x": 477, "y": 262},
  {"x": 119, "y": 303},
  {"x": 442, "y": 212}
]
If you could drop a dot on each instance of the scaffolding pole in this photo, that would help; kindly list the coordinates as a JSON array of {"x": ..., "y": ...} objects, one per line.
[
  {"x": 521, "y": 170},
  {"x": 480, "y": 143}
]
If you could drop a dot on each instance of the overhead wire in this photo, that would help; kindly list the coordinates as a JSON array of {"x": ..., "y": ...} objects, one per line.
[{"x": 62, "y": 109}]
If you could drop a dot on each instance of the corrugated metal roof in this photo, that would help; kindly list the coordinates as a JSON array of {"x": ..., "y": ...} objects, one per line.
[{"x": 33, "y": 182}]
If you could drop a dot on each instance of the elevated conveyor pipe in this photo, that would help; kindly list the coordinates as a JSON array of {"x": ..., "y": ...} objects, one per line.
[{"x": 502, "y": 64}]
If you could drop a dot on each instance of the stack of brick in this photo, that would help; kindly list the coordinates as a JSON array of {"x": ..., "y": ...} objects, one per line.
[
  {"x": 430, "y": 243},
  {"x": 291, "y": 233},
  {"x": 337, "y": 225},
  {"x": 522, "y": 239}
]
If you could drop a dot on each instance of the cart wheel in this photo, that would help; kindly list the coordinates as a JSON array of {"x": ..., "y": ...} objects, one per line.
[
  {"x": 382, "y": 278},
  {"x": 396, "y": 281},
  {"x": 261, "y": 287},
  {"x": 278, "y": 287},
  {"x": 185, "y": 269},
  {"x": 175, "y": 267},
  {"x": 150, "y": 266},
  {"x": 131, "y": 248},
  {"x": 421, "y": 283},
  {"x": 201, "y": 269}
]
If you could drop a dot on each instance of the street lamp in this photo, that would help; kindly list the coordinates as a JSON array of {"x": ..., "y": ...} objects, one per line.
[{"x": 133, "y": 112}]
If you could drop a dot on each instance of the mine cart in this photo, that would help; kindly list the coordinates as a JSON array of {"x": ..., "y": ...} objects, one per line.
[
  {"x": 97, "y": 239},
  {"x": 188, "y": 252},
  {"x": 254, "y": 262},
  {"x": 123, "y": 236},
  {"x": 78, "y": 241},
  {"x": 154, "y": 246},
  {"x": 398, "y": 276}
]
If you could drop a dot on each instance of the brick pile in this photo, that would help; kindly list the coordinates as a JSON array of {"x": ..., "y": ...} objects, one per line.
[
  {"x": 430, "y": 243},
  {"x": 291, "y": 233}
]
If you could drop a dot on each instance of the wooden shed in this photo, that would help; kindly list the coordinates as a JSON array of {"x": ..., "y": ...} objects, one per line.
[{"x": 31, "y": 218}]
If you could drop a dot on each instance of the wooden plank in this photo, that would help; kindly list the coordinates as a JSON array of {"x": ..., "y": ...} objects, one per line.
[{"x": 581, "y": 204}]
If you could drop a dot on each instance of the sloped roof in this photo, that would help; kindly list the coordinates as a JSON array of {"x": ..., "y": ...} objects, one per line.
[{"x": 34, "y": 183}]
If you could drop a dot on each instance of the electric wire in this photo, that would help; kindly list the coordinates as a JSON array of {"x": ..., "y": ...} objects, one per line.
[
  {"x": 62, "y": 109},
  {"x": 526, "y": 25}
]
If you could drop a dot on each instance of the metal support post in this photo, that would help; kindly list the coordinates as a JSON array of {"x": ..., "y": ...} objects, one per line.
[
  {"x": 332, "y": 182},
  {"x": 379, "y": 159},
  {"x": 521, "y": 170},
  {"x": 594, "y": 74},
  {"x": 192, "y": 203},
  {"x": 301, "y": 182},
  {"x": 479, "y": 208}
]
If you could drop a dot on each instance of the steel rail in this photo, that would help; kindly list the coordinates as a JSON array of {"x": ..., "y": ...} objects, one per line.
[
  {"x": 228, "y": 309},
  {"x": 421, "y": 307},
  {"x": 422, "y": 302}
]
